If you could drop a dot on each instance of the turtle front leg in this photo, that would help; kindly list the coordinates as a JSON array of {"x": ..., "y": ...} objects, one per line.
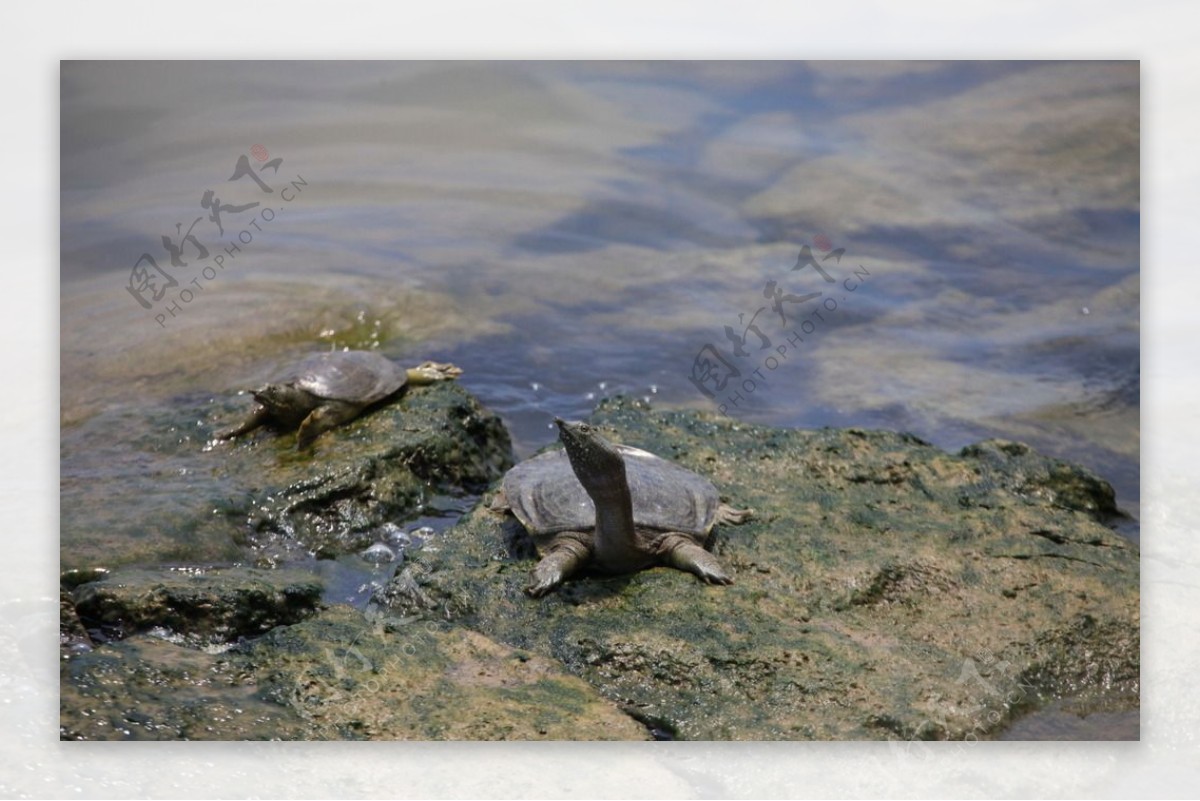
[
  {"x": 321, "y": 419},
  {"x": 682, "y": 553},
  {"x": 256, "y": 418},
  {"x": 565, "y": 557}
]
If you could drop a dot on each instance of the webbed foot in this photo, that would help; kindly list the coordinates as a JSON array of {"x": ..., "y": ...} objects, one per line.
[
  {"x": 323, "y": 418},
  {"x": 257, "y": 418},
  {"x": 545, "y": 578},
  {"x": 727, "y": 514},
  {"x": 684, "y": 554},
  {"x": 563, "y": 559}
]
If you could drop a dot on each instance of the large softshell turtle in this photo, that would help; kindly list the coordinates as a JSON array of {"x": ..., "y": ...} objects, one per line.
[
  {"x": 613, "y": 508},
  {"x": 329, "y": 389}
]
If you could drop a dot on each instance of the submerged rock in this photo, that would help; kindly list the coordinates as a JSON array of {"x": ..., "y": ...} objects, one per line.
[{"x": 887, "y": 589}]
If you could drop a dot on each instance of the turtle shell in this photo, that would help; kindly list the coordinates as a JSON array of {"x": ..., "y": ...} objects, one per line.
[
  {"x": 547, "y": 498},
  {"x": 358, "y": 376}
]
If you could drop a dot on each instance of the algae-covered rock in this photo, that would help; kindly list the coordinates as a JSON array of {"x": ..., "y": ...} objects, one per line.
[
  {"x": 146, "y": 688},
  {"x": 382, "y": 467},
  {"x": 887, "y": 589},
  {"x": 72, "y": 634},
  {"x": 338, "y": 675},
  {"x": 204, "y": 605},
  {"x": 375, "y": 677},
  {"x": 174, "y": 495}
]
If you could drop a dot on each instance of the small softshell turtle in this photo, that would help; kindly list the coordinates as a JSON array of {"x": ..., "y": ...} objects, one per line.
[
  {"x": 333, "y": 388},
  {"x": 613, "y": 508}
]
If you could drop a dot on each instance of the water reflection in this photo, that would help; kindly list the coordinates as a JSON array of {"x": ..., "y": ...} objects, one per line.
[{"x": 578, "y": 222}]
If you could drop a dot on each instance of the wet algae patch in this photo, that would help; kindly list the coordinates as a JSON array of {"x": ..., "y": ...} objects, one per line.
[
  {"x": 886, "y": 589},
  {"x": 381, "y": 677},
  {"x": 146, "y": 688},
  {"x": 173, "y": 495},
  {"x": 337, "y": 675}
]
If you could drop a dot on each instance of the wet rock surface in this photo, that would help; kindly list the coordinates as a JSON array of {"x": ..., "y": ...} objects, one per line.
[
  {"x": 387, "y": 677},
  {"x": 339, "y": 675},
  {"x": 204, "y": 606},
  {"x": 382, "y": 467},
  {"x": 249, "y": 652},
  {"x": 887, "y": 589},
  {"x": 146, "y": 688}
]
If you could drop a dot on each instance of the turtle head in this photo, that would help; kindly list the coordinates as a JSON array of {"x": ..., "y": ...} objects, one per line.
[{"x": 597, "y": 463}]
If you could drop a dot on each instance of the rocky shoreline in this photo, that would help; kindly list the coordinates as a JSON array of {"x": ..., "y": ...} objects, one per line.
[{"x": 886, "y": 590}]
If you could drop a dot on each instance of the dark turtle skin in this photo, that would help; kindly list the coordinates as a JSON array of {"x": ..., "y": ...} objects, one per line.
[
  {"x": 614, "y": 509},
  {"x": 333, "y": 388}
]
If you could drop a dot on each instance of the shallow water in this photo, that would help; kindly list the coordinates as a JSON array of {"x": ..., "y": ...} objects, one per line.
[{"x": 565, "y": 231}]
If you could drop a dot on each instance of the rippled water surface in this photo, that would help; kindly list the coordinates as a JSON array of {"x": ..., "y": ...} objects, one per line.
[{"x": 569, "y": 231}]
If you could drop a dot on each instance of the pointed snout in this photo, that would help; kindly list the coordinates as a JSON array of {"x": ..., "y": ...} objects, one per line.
[
  {"x": 568, "y": 432},
  {"x": 567, "y": 429}
]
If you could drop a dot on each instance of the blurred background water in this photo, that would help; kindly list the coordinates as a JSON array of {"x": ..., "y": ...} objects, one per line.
[{"x": 566, "y": 231}]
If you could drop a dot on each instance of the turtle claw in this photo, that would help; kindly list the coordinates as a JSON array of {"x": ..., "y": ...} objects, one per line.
[
  {"x": 715, "y": 579},
  {"x": 543, "y": 582},
  {"x": 684, "y": 554},
  {"x": 538, "y": 590},
  {"x": 256, "y": 419},
  {"x": 728, "y": 514},
  {"x": 563, "y": 561},
  {"x": 708, "y": 571}
]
